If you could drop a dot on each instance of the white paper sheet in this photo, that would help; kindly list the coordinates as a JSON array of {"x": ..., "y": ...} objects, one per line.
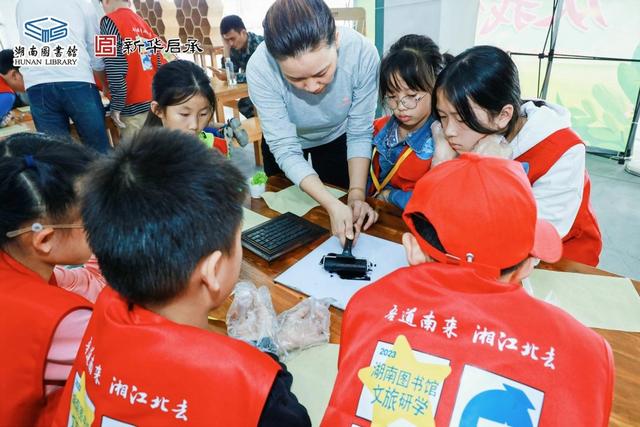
[{"x": 308, "y": 276}]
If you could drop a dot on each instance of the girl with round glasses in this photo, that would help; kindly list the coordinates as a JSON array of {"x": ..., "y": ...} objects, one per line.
[{"x": 403, "y": 146}]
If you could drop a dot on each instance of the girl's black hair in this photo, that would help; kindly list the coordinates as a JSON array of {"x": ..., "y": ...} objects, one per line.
[
  {"x": 292, "y": 27},
  {"x": 414, "y": 58},
  {"x": 38, "y": 179},
  {"x": 485, "y": 75},
  {"x": 176, "y": 82}
]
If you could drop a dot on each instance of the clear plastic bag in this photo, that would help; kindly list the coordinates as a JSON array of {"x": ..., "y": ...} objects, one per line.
[
  {"x": 251, "y": 317},
  {"x": 304, "y": 325}
]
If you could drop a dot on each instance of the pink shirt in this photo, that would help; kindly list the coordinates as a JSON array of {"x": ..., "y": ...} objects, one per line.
[{"x": 86, "y": 281}]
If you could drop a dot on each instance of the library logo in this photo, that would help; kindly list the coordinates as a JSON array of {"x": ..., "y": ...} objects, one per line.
[{"x": 46, "y": 30}]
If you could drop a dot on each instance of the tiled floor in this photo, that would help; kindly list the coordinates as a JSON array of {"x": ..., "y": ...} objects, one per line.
[{"x": 615, "y": 197}]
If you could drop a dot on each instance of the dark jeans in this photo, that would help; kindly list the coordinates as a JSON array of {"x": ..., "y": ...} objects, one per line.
[
  {"x": 53, "y": 104},
  {"x": 329, "y": 161}
]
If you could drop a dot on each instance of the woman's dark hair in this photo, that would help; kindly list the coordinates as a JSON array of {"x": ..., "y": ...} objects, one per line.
[
  {"x": 38, "y": 179},
  {"x": 155, "y": 207},
  {"x": 292, "y": 27},
  {"x": 416, "y": 60},
  {"x": 176, "y": 82},
  {"x": 231, "y": 22},
  {"x": 485, "y": 75}
]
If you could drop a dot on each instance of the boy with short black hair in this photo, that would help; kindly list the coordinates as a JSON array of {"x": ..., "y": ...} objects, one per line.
[
  {"x": 163, "y": 215},
  {"x": 483, "y": 349}
]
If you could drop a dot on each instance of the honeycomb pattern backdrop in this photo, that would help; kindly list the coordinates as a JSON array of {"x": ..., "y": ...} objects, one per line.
[{"x": 199, "y": 19}]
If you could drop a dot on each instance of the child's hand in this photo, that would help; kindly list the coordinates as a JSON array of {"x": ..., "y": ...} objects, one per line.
[
  {"x": 493, "y": 145},
  {"x": 442, "y": 150}
]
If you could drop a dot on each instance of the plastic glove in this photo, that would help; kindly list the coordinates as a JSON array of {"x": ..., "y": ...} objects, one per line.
[
  {"x": 251, "y": 317},
  {"x": 304, "y": 325},
  {"x": 442, "y": 150},
  {"x": 493, "y": 145}
]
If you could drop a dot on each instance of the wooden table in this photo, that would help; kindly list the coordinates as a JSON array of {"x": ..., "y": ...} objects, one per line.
[
  {"x": 625, "y": 345},
  {"x": 225, "y": 93}
]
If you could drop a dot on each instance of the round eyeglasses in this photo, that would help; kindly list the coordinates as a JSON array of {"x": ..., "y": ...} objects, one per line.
[{"x": 408, "y": 102}]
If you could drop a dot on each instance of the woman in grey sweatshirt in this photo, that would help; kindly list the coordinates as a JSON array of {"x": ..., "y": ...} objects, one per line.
[{"x": 315, "y": 87}]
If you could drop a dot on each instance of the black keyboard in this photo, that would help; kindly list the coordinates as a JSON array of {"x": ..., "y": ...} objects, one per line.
[{"x": 280, "y": 235}]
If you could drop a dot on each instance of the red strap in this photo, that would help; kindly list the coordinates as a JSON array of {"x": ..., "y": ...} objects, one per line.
[{"x": 546, "y": 153}]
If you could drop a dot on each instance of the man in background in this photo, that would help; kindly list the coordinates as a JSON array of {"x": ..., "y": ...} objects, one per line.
[{"x": 239, "y": 45}]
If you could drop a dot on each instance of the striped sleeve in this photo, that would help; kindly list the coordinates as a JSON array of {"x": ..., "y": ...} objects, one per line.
[{"x": 116, "y": 67}]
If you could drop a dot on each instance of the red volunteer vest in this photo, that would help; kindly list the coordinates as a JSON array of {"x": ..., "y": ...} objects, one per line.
[
  {"x": 139, "y": 368},
  {"x": 30, "y": 311},
  {"x": 410, "y": 171},
  {"x": 4, "y": 87},
  {"x": 583, "y": 243},
  {"x": 138, "y": 78},
  {"x": 514, "y": 359}
]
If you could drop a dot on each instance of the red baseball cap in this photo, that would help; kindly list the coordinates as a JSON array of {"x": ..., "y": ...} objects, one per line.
[{"x": 484, "y": 214}]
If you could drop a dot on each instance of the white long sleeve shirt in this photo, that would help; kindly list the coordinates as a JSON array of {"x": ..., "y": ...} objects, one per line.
[
  {"x": 82, "y": 25},
  {"x": 558, "y": 193}
]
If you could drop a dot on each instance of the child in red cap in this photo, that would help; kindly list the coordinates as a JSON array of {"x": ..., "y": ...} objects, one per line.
[{"x": 483, "y": 349}]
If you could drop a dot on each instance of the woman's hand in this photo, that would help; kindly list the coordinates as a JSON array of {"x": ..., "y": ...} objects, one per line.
[
  {"x": 363, "y": 215},
  {"x": 341, "y": 220}
]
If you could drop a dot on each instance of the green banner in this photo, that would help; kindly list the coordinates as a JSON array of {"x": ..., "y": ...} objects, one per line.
[{"x": 600, "y": 94}]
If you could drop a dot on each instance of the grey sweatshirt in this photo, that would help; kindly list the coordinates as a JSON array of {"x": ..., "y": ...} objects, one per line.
[{"x": 292, "y": 119}]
